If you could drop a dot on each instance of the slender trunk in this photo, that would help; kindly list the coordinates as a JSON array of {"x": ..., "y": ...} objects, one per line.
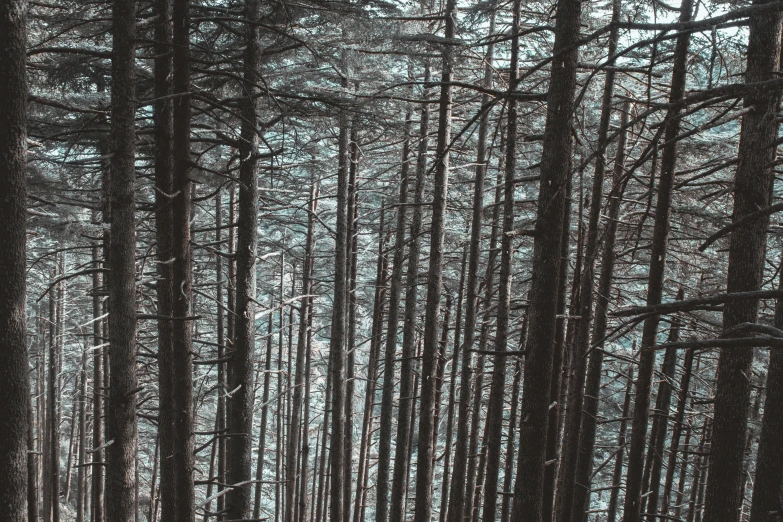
[
  {"x": 661, "y": 420},
  {"x": 264, "y": 416},
  {"x": 584, "y": 463},
  {"x": 96, "y": 487},
  {"x": 528, "y": 497},
  {"x": 121, "y": 417},
  {"x": 444, "y": 490},
  {"x": 457, "y": 494},
  {"x": 494, "y": 421},
  {"x": 617, "y": 475},
  {"x": 80, "y": 459},
  {"x": 390, "y": 348},
  {"x": 641, "y": 410},
  {"x": 677, "y": 426},
  {"x": 14, "y": 386},
  {"x": 409, "y": 330},
  {"x": 505, "y": 508},
  {"x": 372, "y": 369},
  {"x": 747, "y": 246},
  {"x": 566, "y": 508}
]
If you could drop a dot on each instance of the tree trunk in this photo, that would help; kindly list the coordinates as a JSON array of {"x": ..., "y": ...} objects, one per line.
[
  {"x": 546, "y": 262},
  {"x": 584, "y": 463},
  {"x": 457, "y": 495},
  {"x": 121, "y": 417},
  {"x": 641, "y": 410},
  {"x": 14, "y": 385},
  {"x": 617, "y": 475},
  {"x": 752, "y": 190},
  {"x": 239, "y": 446},
  {"x": 382, "y": 507},
  {"x": 494, "y": 421},
  {"x": 264, "y": 416},
  {"x": 97, "y": 485}
]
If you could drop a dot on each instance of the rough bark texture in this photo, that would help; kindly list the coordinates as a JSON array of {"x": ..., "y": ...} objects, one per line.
[
  {"x": 162, "y": 114},
  {"x": 13, "y": 214},
  {"x": 240, "y": 422},
  {"x": 752, "y": 190},
  {"x": 546, "y": 262},
  {"x": 182, "y": 270},
  {"x": 121, "y": 416}
]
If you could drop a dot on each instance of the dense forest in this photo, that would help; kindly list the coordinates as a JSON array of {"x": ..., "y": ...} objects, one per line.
[{"x": 352, "y": 260}]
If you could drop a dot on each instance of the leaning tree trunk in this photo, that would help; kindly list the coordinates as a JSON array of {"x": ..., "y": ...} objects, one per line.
[
  {"x": 14, "y": 387},
  {"x": 121, "y": 416},
  {"x": 239, "y": 449},
  {"x": 752, "y": 191},
  {"x": 542, "y": 298},
  {"x": 641, "y": 411}
]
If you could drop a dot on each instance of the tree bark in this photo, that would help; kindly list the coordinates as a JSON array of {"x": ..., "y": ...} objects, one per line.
[
  {"x": 641, "y": 410},
  {"x": 752, "y": 190},
  {"x": 240, "y": 423},
  {"x": 14, "y": 385},
  {"x": 528, "y": 495},
  {"x": 121, "y": 416}
]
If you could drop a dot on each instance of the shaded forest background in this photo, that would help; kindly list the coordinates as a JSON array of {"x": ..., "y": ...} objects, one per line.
[{"x": 344, "y": 260}]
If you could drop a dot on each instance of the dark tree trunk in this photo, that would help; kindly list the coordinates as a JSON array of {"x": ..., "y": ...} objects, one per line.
[
  {"x": 494, "y": 421},
  {"x": 121, "y": 418},
  {"x": 641, "y": 411},
  {"x": 14, "y": 386},
  {"x": 567, "y": 509},
  {"x": 264, "y": 417},
  {"x": 162, "y": 114},
  {"x": 96, "y": 487},
  {"x": 769, "y": 464},
  {"x": 182, "y": 270},
  {"x": 528, "y": 494},
  {"x": 457, "y": 495},
  {"x": 382, "y": 507},
  {"x": 584, "y": 463},
  {"x": 240, "y": 423},
  {"x": 617, "y": 475},
  {"x": 752, "y": 190}
]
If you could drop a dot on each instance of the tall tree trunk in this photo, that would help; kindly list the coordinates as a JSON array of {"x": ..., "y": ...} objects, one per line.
[
  {"x": 752, "y": 191},
  {"x": 584, "y": 463},
  {"x": 426, "y": 450},
  {"x": 264, "y": 416},
  {"x": 677, "y": 426},
  {"x": 546, "y": 262},
  {"x": 457, "y": 495},
  {"x": 403, "y": 441},
  {"x": 240, "y": 422},
  {"x": 661, "y": 420},
  {"x": 372, "y": 369},
  {"x": 121, "y": 417},
  {"x": 578, "y": 368},
  {"x": 162, "y": 114},
  {"x": 382, "y": 507},
  {"x": 97, "y": 485},
  {"x": 641, "y": 411},
  {"x": 14, "y": 386},
  {"x": 81, "y": 469},
  {"x": 444, "y": 490},
  {"x": 182, "y": 269},
  {"x": 494, "y": 421}
]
